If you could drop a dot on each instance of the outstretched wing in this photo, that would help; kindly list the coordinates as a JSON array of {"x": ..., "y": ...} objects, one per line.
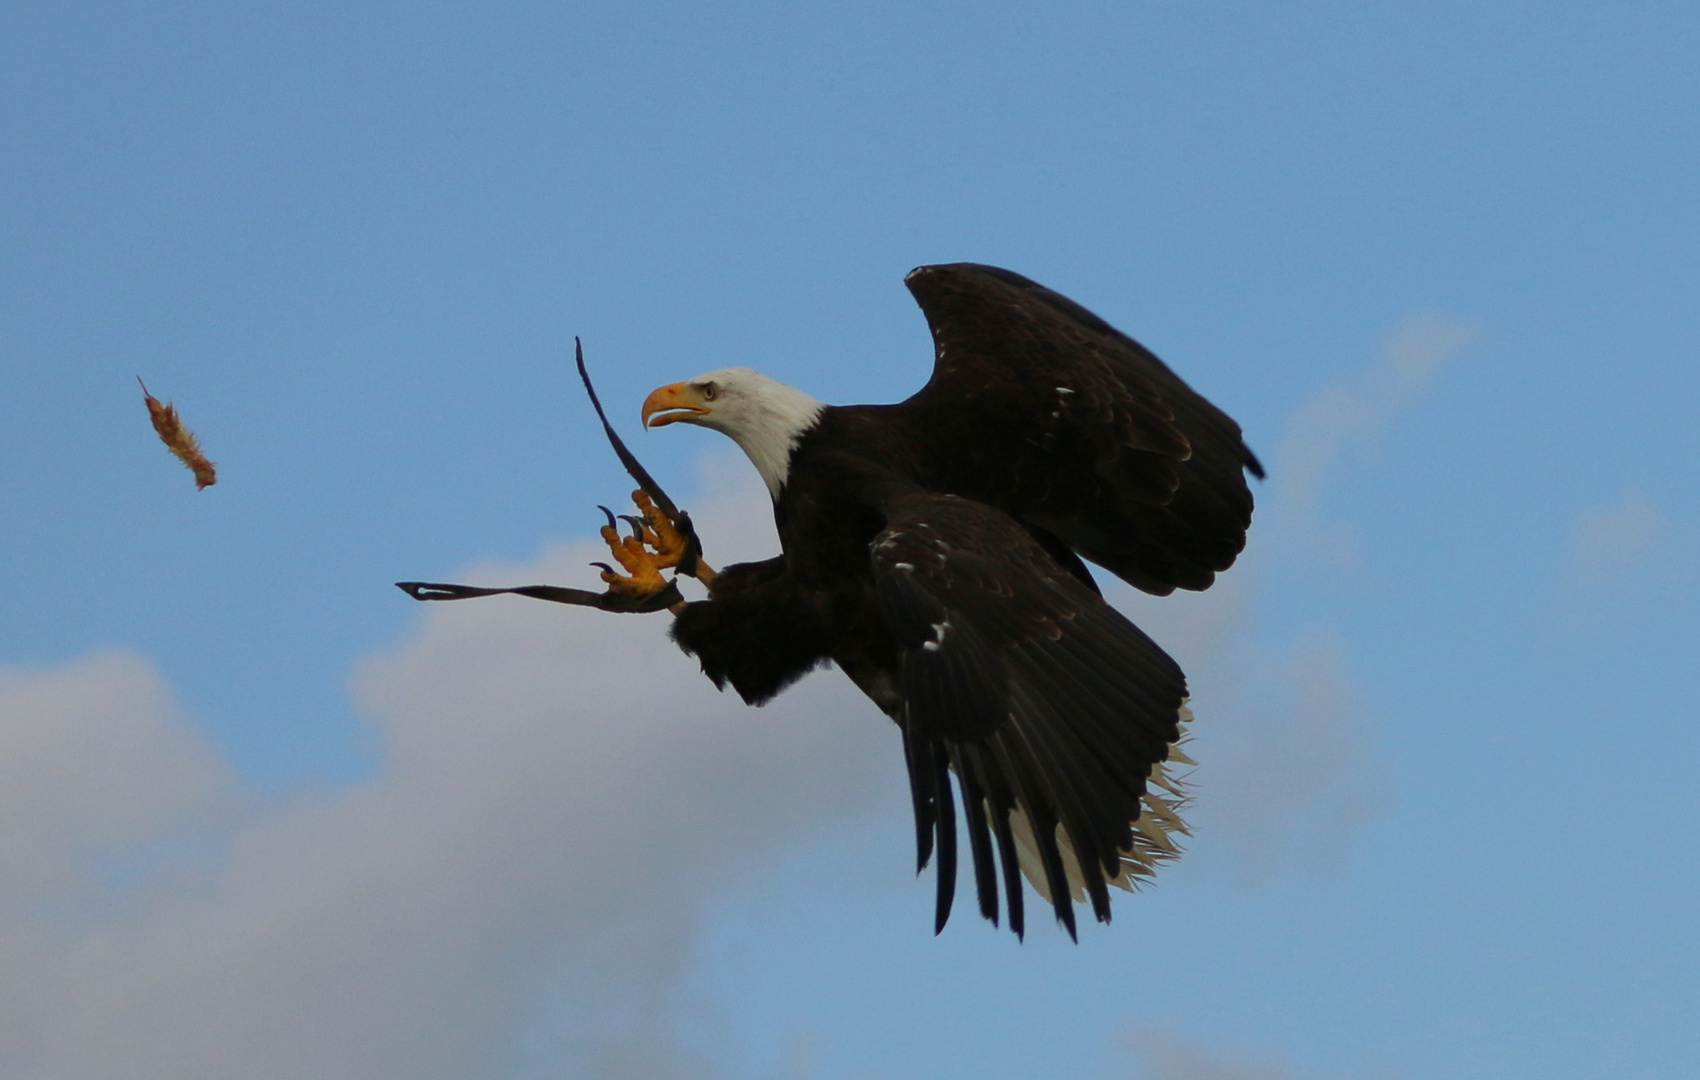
[
  {"x": 1041, "y": 408},
  {"x": 1051, "y": 708}
]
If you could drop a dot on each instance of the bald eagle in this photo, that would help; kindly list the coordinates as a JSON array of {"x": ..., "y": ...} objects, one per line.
[{"x": 935, "y": 551}]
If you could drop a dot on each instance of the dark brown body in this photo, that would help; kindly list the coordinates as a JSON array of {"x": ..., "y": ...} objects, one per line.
[{"x": 933, "y": 551}]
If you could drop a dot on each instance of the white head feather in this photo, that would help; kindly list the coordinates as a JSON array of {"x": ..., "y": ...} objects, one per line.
[{"x": 763, "y": 416}]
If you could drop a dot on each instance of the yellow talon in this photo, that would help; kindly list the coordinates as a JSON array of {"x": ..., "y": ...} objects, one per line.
[
  {"x": 654, "y": 546},
  {"x": 658, "y": 531},
  {"x": 643, "y": 569}
]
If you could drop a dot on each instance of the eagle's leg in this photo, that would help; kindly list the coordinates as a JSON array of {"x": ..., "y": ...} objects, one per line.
[
  {"x": 669, "y": 544},
  {"x": 643, "y": 570}
]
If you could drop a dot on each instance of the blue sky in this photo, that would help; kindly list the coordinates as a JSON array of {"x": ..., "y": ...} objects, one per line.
[{"x": 263, "y": 816}]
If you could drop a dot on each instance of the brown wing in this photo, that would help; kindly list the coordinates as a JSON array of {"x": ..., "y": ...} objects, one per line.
[
  {"x": 1044, "y": 410},
  {"x": 1051, "y": 708}
]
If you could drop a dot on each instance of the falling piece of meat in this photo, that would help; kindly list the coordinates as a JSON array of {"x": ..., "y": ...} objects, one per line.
[{"x": 179, "y": 439}]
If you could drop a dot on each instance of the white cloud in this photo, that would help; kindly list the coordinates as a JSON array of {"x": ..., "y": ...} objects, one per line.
[
  {"x": 1350, "y": 415},
  {"x": 1611, "y": 540},
  {"x": 95, "y": 761},
  {"x": 70, "y": 791},
  {"x": 1164, "y": 1055},
  {"x": 561, "y": 795},
  {"x": 1287, "y": 774},
  {"x": 1287, "y": 771},
  {"x": 1293, "y": 775}
]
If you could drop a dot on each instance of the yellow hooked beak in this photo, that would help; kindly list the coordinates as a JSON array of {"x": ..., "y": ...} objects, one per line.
[{"x": 676, "y": 401}]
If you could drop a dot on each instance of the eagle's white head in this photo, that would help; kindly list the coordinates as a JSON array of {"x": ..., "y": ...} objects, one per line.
[{"x": 762, "y": 415}]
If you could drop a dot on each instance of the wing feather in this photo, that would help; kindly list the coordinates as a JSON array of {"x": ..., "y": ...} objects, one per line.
[
  {"x": 1044, "y": 410},
  {"x": 1048, "y": 705},
  {"x": 979, "y": 831}
]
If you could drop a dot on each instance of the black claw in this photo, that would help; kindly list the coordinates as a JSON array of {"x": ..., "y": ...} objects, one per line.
[
  {"x": 610, "y": 514},
  {"x": 636, "y": 523},
  {"x": 604, "y": 566}
]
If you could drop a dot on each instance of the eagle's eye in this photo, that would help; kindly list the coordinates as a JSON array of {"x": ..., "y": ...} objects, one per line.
[{"x": 710, "y": 391}]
